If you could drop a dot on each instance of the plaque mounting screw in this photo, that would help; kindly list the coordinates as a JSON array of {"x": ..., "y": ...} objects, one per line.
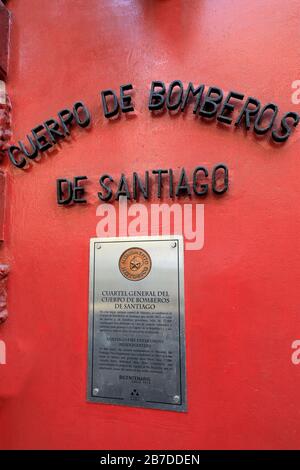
[
  {"x": 173, "y": 245},
  {"x": 96, "y": 391},
  {"x": 176, "y": 398},
  {"x": 98, "y": 246}
]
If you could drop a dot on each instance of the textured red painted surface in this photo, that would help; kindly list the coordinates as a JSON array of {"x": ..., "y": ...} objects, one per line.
[
  {"x": 4, "y": 35},
  {"x": 4, "y": 270},
  {"x": 242, "y": 288},
  {"x": 3, "y": 204},
  {"x": 5, "y": 125}
]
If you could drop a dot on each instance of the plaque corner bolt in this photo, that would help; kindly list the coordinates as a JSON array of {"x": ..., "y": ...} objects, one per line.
[
  {"x": 176, "y": 398},
  {"x": 96, "y": 390},
  {"x": 173, "y": 245},
  {"x": 98, "y": 246}
]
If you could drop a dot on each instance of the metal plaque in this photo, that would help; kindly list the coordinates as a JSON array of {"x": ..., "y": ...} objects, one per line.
[{"x": 136, "y": 322}]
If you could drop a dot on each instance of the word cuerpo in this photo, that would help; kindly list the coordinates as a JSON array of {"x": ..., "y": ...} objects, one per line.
[
  {"x": 208, "y": 104},
  {"x": 44, "y": 136}
]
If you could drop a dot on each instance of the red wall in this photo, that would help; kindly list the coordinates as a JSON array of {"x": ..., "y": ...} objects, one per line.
[
  {"x": 242, "y": 288},
  {"x": 4, "y": 28}
]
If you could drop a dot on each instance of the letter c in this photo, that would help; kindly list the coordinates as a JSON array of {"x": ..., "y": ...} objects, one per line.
[{"x": 18, "y": 163}]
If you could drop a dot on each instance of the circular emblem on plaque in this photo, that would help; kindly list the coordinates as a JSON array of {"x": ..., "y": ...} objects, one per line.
[{"x": 135, "y": 264}]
